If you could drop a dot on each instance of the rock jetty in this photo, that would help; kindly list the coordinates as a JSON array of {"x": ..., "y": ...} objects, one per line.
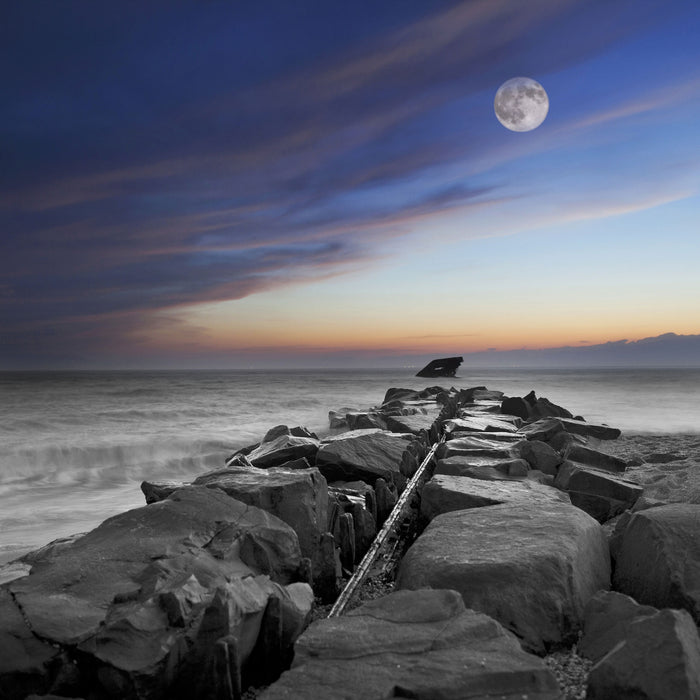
[{"x": 486, "y": 534}]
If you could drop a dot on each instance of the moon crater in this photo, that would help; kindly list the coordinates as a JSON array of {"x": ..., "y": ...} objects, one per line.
[{"x": 521, "y": 104}]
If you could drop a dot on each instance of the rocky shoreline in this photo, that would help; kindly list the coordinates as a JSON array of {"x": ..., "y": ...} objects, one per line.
[{"x": 544, "y": 557}]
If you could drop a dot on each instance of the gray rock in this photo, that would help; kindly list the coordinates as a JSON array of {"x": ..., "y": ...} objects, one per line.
[
  {"x": 533, "y": 568},
  {"x": 283, "y": 449},
  {"x": 480, "y": 424},
  {"x": 601, "y": 494},
  {"x": 658, "y": 660},
  {"x": 539, "y": 455},
  {"x": 544, "y": 429},
  {"x": 581, "y": 427},
  {"x": 336, "y": 419},
  {"x": 358, "y": 420},
  {"x": 412, "y": 644},
  {"x": 130, "y": 593},
  {"x": 298, "y": 497},
  {"x": 415, "y": 424},
  {"x": 607, "y": 618},
  {"x": 516, "y": 406},
  {"x": 488, "y": 468},
  {"x": 443, "y": 494},
  {"x": 576, "y": 452},
  {"x": 366, "y": 457},
  {"x": 657, "y": 555}
]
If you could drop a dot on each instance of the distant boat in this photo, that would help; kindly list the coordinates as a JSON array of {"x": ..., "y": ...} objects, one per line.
[{"x": 444, "y": 367}]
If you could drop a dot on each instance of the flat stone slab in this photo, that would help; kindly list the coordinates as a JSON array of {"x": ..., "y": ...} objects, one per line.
[
  {"x": 657, "y": 557},
  {"x": 412, "y": 644},
  {"x": 594, "y": 458},
  {"x": 483, "y": 423},
  {"x": 533, "y": 568},
  {"x": 600, "y": 493},
  {"x": 444, "y": 494},
  {"x": 367, "y": 457},
  {"x": 595, "y": 430},
  {"x": 414, "y": 424},
  {"x": 483, "y": 467}
]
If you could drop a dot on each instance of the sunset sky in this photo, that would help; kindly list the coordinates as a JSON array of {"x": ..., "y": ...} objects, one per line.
[{"x": 272, "y": 183}]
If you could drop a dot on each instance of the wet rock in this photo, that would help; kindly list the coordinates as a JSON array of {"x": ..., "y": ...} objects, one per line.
[
  {"x": 657, "y": 557},
  {"x": 155, "y": 491},
  {"x": 544, "y": 408},
  {"x": 443, "y": 494},
  {"x": 533, "y": 568},
  {"x": 601, "y": 494},
  {"x": 412, "y": 644},
  {"x": 659, "y": 659},
  {"x": 366, "y": 457},
  {"x": 395, "y": 394}
]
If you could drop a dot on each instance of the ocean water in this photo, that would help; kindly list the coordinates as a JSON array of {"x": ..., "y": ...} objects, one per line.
[{"x": 74, "y": 446}]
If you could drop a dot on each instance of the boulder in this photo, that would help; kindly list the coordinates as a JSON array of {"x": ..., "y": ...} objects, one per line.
[
  {"x": 544, "y": 429},
  {"x": 533, "y": 568},
  {"x": 657, "y": 557},
  {"x": 460, "y": 448},
  {"x": 123, "y": 600},
  {"x": 365, "y": 419},
  {"x": 155, "y": 491},
  {"x": 298, "y": 497},
  {"x": 283, "y": 449},
  {"x": 488, "y": 468},
  {"x": 366, "y": 457},
  {"x": 516, "y": 406},
  {"x": 576, "y": 452},
  {"x": 395, "y": 394},
  {"x": 484, "y": 423},
  {"x": 443, "y": 494},
  {"x": 659, "y": 659},
  {"x": 336, "y": 419},
  {"x": 412, "y": 644},
  {"x": 415, "y": 424},
  {"x": 539, "y": 455},
  {"x": 606, "y": 621},
  {"x": 581, "y": 427},
  {"x": 544, "y": 408},
  {"x": 601, "y": 494}
]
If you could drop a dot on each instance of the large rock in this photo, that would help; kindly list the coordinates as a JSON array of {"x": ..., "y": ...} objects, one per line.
[
  {"x": 659, "y": 659},
  {"x": 594, "y": 430},
  {"x": 593, "y": 458},
  {"x": 283, "y": 449},
  {"x": 601, "y": 494},
  {"x": 607, "y": 618},
  {"x": 533, "y": 568},
  {"x": 299, "y": 497},
  {"x": 415, "y": 424},
  {"x": 444, "y": 494},
  {"x": 488, "y": 468},
  {"x": 484, "y": 423},
  {"x": 544, "y": 429},
  {"x": 367, "y": 456},
  {"x": 657, "y": 557},
  {"x": 539, "y": 455},
  {"x": 412, "y": 644},
  {"x": 129, "y": 594}
]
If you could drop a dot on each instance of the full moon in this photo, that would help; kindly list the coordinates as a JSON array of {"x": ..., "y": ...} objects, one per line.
[{"x": 521, "y": 104}]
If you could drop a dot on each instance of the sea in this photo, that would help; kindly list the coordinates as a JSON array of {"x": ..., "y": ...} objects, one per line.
[{"x": 75, "y": 446}]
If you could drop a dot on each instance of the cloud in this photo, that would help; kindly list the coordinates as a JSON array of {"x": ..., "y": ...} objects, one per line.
[{"x": 221, "y": 185}]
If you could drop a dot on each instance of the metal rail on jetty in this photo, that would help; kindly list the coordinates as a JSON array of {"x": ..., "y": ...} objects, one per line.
[{"x": 383, "y": 535}]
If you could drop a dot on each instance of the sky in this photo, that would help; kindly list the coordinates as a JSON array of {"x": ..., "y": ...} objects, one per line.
[{"x": 217, "y": 183}]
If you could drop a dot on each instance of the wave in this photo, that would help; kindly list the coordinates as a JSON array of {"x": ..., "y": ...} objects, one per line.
[{"x": 108, "y": 465}]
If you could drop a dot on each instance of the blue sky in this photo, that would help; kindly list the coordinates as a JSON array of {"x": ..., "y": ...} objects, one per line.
[{"x": 272, "y": 183}]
